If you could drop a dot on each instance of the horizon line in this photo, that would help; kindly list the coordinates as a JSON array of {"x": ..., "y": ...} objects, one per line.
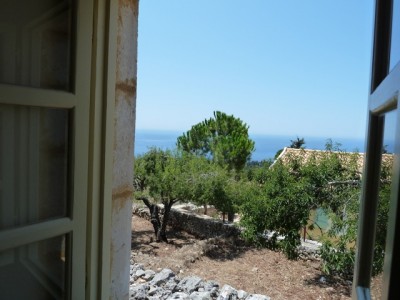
[{"x": 259, "y": 134}]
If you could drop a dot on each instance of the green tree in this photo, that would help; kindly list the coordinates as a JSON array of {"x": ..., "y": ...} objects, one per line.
[
  {"x": 215, "y": 193},
  {"x": 210, "y": 185},
  {"x": 223, "y": 138},
  {"x": 256, "y": 170},
  {"x": 339, "y": 253},
  {"x": 297, "y": 143},
  {"x": 281, "y": 207},
  {"x": 161, "y": 177},
  {"x": 205, "y": 179}
]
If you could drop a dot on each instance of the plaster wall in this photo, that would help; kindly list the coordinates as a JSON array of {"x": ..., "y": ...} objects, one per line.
[{"x": 124, "y": 128}]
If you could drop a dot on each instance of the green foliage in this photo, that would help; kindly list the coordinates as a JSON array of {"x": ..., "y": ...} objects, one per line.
[
  {"x": 207, "y": 182},
  {"x": 223, "y": 138},
  {"x": 257, "y": 171},
  {"x": 240, "y": 192},
  {"x": 278, "y": 153},
  {"x": 168, "y": 177},
  {"x": 273, "y": 199},
  {"x": 338, "y": 256},
  {"x": 297, "y": 143},
  {"x": 224, "y": 141},
  {"x": 162, "y": 176},
  {"x": 282, "y": 207},
  {"x": 329, "y": 179},
  {"x": 213, "y": 185},
  {"x": 338, "y": 248},
  {"x": 381, "y": 226}
]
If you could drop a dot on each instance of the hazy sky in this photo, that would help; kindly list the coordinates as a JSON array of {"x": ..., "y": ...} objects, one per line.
[{"x": 296, "y": 68}]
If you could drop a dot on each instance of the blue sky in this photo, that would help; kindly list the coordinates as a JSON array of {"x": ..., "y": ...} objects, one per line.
[{"x": 294, "y": 68}]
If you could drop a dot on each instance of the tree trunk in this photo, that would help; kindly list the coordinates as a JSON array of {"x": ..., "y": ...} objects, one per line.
[
  {"x": 154, "y": 215},
  {"x": 161, "y": 234},
  {"x": 205, "y": 208},
  {"x": 231, "y": 216},
  {"x": 160, "y": 227},
  {"x": 155, "y": 218}
]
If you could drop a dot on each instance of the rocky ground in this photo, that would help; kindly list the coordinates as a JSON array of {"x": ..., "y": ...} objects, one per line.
[
  {"x": 149, "y": 285},
  {"x": 257, "y": 271}
]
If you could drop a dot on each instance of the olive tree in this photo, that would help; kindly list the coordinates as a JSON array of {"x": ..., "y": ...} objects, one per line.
[
  {"x": 211, "y": 184},
  {"x": 161, "y": 177},
  {"x": 206, "y": 180}
]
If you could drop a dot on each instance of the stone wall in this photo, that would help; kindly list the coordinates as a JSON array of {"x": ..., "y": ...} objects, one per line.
[{"x": 201, "y": 226}]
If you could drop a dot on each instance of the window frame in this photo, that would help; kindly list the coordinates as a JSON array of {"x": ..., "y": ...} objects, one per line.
[
  {"x": 383, "y": 98},
  {"x": 78, "y": 102}
]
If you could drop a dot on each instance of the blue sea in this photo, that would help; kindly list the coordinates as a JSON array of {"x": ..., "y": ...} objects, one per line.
[{"x": 266, "y": 145}]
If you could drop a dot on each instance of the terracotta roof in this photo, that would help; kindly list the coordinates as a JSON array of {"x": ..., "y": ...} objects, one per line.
[{"x": 307, "y": 154}]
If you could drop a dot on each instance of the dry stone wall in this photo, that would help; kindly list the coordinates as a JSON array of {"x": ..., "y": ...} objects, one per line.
[{"x": 201, "y": 226}]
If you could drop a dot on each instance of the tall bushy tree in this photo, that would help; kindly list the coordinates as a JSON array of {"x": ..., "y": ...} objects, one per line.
[{"x": 223, "y": 138}]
